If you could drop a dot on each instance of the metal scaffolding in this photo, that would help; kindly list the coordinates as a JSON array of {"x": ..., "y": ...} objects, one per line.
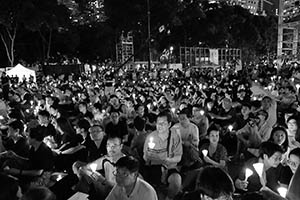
[
  {"x": 288, "y": 29},
  {"x": 124, "y": 49}
]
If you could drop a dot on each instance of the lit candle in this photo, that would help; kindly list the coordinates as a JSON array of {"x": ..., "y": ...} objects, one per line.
[
  {"x": 259, "y": 168},
  {"x": 297, "y": 86},
  {"x": 204, "y": 152},
  {"x": 173, "y": 110},
  {"x": 93, "y": 167},
  {"x": 151, "y": 144},
  {"x": 282, "y": 191},
  {"x": 248, "y": 173},
  {"x": 59, "y": 177},
  {"x": 230, "y": 128},
  {"x": 202, "y": 112}
]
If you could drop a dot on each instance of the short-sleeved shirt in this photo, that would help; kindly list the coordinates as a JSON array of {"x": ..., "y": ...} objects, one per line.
[
  {"x": 161, "y": 149},
  {"x": 42, "y": 158},
  {"x": 105, "y": 164},
  {"x": 141, "y": 191},
  {"x": 218, "y": 155},
  {"x": 272, "y": 176}
]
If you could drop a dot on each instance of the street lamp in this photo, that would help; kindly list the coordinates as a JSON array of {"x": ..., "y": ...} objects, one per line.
[{"x": 149, "y": 34}]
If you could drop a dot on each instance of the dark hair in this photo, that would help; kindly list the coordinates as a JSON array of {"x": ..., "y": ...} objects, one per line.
[
  {"x": 83, "y": 123},
  {"x": 37, "y": 134},
  {"x": 139, "y": 123},
  {"x": 214, "y": 187},
  {"x": 295, "y": 152},
  {"x": 112, "y": 137},
  {"x": 128, "y": 162},
  {"x": 17, "y": 124},
  {"x": 39, "y": 193},
  {"x": 8, "y": 187},
  {"x": 212, "y": 127},
  {"x": 264, "y": 113},
  {"x": 44, "y": 113},
  {"x": 165, "y": 114},
  {"x": 285, "y": 144},
  {"x": 296, "y": 118},
  {"x": 269, "y": 148}
]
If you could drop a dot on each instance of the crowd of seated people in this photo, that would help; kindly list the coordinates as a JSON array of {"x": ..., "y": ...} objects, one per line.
[{"x": 156, "y": 140}]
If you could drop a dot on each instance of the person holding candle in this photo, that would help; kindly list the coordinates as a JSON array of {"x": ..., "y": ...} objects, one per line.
[
  {"x": 217, "y": 153},
  {"x": 99, "y": 173},
  {"x": 270, "y": 157},
  {"x": 162, "y": 157}
]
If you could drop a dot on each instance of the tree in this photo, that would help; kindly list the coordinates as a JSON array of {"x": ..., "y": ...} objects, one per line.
[{"x": 12, "y": 15}]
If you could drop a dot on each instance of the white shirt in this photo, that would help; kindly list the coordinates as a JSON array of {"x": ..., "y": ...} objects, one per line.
[{"x": 142, "y": 191}]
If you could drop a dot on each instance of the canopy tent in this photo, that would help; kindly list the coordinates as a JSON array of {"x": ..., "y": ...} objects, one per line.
[{"x": 21, "y": 72}]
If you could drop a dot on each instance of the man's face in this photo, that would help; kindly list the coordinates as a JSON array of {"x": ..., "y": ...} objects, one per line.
[
  {"x": 113, "y": 146},
  {"x": 275, "y": 159},
  {"x": 82, "y": 108},
  {"x": 226, "y": 104},
  {"x": 96, "y": 133},
  {"x": 183, "y": 119},
  {"x": 293, "y": 162},
  {"x": 162, "y": 125},
  {"x": 114, "y": 117},
  {"x": 245, "y": 110},
  {"x": 266, "y": 103},
  {"x": 43, "y": 120},
  {"x": 11, "y": 132},
  {"x": 124, "y": 177}
]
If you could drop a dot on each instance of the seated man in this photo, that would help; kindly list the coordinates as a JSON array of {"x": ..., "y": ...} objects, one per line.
[
  {"x": 89, "y": 173},
  {"x": 129, "y": 185},
  {"x": 16, "y": 144},
  {"x": 270, "y": 157},
  {"x": 39, "y": 162},
  {"x": 162, "y": 153}
]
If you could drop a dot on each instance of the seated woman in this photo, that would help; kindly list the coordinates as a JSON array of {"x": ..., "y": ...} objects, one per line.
[
  {"x": 217, "y": 153},
  {"x": 279, "y": 136}
]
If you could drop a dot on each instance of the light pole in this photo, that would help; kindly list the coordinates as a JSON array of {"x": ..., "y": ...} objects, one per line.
[{"x": 149, "y": 34}]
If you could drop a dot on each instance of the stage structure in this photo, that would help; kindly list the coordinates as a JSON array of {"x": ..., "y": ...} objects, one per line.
[
  {"x": 288, "y": 29},
  {"x": 198, "y": 56}
]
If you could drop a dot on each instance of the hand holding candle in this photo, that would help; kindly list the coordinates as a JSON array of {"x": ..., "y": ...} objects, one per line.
[
  {"x": 93, "y": 167},
  {"x": 202, "y": 112},
  {"x": 230, "y": 128},
  {"x": 151, "y": 144},
  {"x": 248, "y": 173},
  {"x": 204, "y": 152}
]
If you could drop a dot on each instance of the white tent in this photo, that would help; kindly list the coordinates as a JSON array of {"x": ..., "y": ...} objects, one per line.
[{"x": 21, "y": 72}]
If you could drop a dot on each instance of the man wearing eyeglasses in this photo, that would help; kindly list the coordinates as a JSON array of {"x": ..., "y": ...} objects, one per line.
[
  {"x": 162, "y": 153},
  {"x": 99, "y": 173},
  {"x": 129, "y": 185}
]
